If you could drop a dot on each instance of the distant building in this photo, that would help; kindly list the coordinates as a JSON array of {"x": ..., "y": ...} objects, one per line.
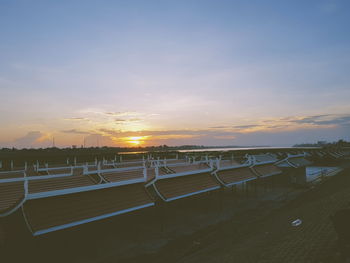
[{"x": 322, "y": 143}]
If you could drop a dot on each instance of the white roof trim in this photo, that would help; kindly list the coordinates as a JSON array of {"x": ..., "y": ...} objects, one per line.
[
  {"x": 233, "y": 167},
  {"x": 33, "y": 178},
  {"x": 167, "y": 176},
  {"x": 83, "y": 189},
  {"x": 239, "y": 182},
  {"x": 113, "y": 170},
  {"x": 190, "y": 194},
  {"x": 60, "y": 227}
]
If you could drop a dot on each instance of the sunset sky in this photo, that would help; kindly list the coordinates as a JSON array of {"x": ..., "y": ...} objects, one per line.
[{"x": 129, "y": 73}]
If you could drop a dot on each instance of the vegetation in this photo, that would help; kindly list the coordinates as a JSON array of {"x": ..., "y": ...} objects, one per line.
[{"x": 324, "y": 144}]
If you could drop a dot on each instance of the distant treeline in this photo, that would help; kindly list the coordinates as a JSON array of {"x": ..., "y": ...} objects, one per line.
[
  {"x": 54, "y": 154},
  {"x": 325, "y": 144},
  {"x": 102, "y": 150}
]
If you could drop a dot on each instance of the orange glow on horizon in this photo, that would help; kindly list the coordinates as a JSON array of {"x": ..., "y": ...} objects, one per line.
[{"x": 136, "y": 141}]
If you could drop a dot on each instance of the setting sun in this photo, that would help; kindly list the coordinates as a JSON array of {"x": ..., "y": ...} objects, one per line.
[{"x": 136, "y": 140}]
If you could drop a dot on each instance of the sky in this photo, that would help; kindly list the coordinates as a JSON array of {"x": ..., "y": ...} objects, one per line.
[{"x": 141, "y": 73}]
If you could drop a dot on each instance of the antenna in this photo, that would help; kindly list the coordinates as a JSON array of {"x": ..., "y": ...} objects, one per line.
[{"x": 53, "y": 142}]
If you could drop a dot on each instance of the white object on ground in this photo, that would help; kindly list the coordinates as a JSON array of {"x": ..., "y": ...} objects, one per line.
[{"x": 297, "y": 222}]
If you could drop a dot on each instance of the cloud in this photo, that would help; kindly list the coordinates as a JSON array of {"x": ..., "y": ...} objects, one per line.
[
  {"x": 135, "y": 119},
  {"x": 33, "y": 139},
  {"x": 99, "y": 140},
  {"x": 226, "y": 137},
  {"x": 122, "y": 113},
  {"x": 99, "y": 117},
  {"x": 119, "y": 133},
  {"x": 219, "y": 127},
  {"x": 76, "y": 119},
  {"x": 329, "y": 119},
  {"x": 118, "y": 120},
  {"x": 75, "y": 131},
  {"x": 175, "y": 137},
  {"x": 246, "y": 126},
  {"x": 230, "y": 134},
  {"x": 291, "y": 123},
  {"x": 265, "y": 130}
]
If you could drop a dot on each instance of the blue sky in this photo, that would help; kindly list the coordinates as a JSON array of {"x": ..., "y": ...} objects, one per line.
[{"x": 174, "y": 72}]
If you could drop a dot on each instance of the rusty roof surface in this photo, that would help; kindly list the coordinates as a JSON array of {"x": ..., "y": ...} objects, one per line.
[
  {"x": 176, "y": 161},
  {"x": 299, "y": 161},
  {"x": 73, "y": 209},
  {"x": 236, "y": 175},
  {"x": 188, "y": 167},
  {"x": 267, "y": 169},
  {"x": 126, "y": 164},
  {"x": 227, "y": 163},
  {"x": 107, "y": 166},
  {"x": 10, "y": 195},
  {"x": 118, "y": 176},
  {"x": 52, "y": 184},
  {"x": 185, "y": 185},
  {"x": 11, "y": 174},
  {"x": 60, "y": 171}
]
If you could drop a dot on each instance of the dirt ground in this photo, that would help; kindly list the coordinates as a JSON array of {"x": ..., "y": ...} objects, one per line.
[{"x": 269, "y": 236}]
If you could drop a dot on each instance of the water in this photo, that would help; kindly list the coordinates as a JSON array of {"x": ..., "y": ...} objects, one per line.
[
  {"x": 226, "y": 149},
  {"x": 244, "y": 148}
]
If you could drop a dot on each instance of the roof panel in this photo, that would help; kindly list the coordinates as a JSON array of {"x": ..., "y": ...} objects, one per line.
[
  {"x": 267, "y": 170},
  {"x": 228, "y": 163},
  {"x": 38, "y": 186},
  {"x": 10, "y": 195},
  {"x": 131, "y": 164},
  {"x": 265, "y": 158},
  {"x": 53, "y": 213},
  {"x": 177, "y": 187},
  {"x": 299, "y": 162},
  {"x": 118, "y": 176},
  {"x": 237, "y": 175},
  {"x": 11, "y": 174},
  {"x": 176, "y": 161},
  {"x": 188, "y": 167}
]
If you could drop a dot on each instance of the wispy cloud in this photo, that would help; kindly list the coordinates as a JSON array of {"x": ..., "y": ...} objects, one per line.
[
  {"x": 76, "y": 119},
  {"x": 154, "y": 137},
  {"x": 290, "y": 123},
  {"x": 329, "y": 119},
  {"x": 245, "y": 126},
  {"x": 120, "y": 120},
  {"x": 264, "y": 129},
  {"x": 122, "y": 113},
  {"x": 75, "y": 131},
  {"x": 229, "y": 133},
  {"x": 220, "y": 127},
  {"x": 123, "y": 121}
]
